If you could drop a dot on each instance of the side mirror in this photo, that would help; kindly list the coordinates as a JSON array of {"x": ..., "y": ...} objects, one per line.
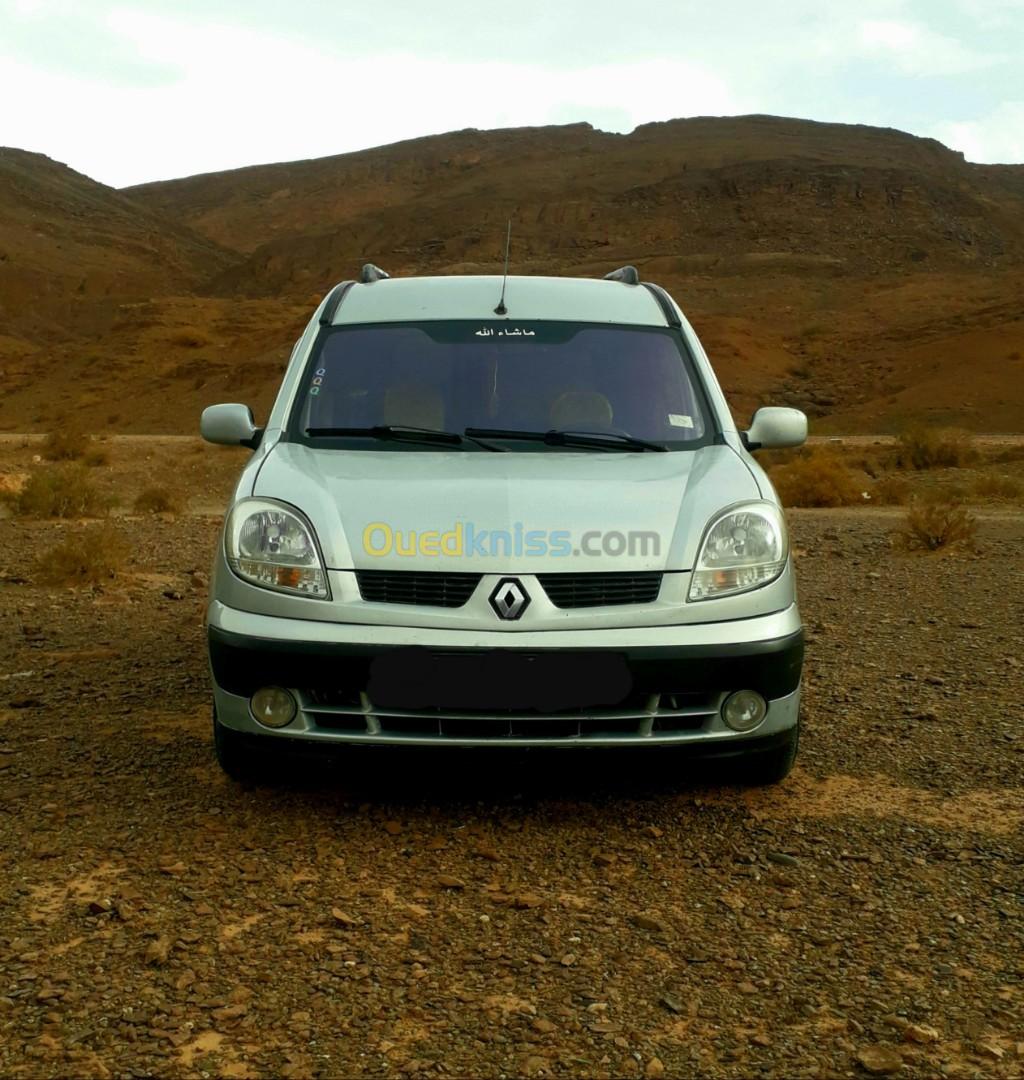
[
  {"x": 773, "y": 428},
  {"x": 230, "y": 425}
]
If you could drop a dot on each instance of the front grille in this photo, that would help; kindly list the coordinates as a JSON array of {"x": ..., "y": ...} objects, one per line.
[
  {"x": 351, "y": 701},
  {"x": 639, "y": 716},
  {"x": 601, "y": 590},
  {"x": 517, "y": 727},
  {"x": 426, "y": 588}
]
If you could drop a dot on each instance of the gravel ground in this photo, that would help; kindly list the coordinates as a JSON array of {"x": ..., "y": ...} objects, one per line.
[{"x": 536, "y": 916}]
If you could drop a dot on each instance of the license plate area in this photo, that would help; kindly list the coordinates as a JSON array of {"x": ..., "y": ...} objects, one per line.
[{"x": 498, "y": 680}]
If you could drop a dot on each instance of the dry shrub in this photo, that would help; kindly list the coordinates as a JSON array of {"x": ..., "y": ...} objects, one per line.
[
  {"x": 1001, "y": 488},
  {"x": 936, "y": 526},
  {"x": 11, "y": 485},
  {"x": 189, "y": 337},
  {"x": 772, "y": 459},
  {"x": 67, "y": 443},
  {"x": 891, "y": 491},
  {"x": 920, "y": 447},
  {"x": 157, "y": 500},
  {"x": 88, "y": 557},
  {"x": 64, "y": 491},
  {"x": 944, "y": 493},
  {"x": 817, "y": 479},
  {"x": 96, "y": 455}
]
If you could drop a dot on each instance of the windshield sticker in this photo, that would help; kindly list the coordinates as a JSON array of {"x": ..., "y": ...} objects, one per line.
[
  {"x": 318, "y": 381},
  {"x": 679, "y": 420},
  {"x": 489, "y": 331}
]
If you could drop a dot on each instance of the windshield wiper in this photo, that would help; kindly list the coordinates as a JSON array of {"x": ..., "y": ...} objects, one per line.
[
  {"x": 602, "y": 440},
  {"x": 401, "y": 433}
]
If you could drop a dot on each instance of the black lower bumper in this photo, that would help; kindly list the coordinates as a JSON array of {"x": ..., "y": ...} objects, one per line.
[{"x": 401, "y": 676}]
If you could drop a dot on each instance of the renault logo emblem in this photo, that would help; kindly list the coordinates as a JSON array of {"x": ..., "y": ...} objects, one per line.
[{"x": 509, "y": 599}]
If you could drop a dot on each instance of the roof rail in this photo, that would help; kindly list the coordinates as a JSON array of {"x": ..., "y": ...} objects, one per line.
[
  {"x": 334, "y": 299},
  {"x": 628, "y": 275},
  {"x": 666, "y": 305},
  {"x": 371, "y": 273}
]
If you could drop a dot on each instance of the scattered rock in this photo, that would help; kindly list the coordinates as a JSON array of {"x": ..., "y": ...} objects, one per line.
[
  {"x": 229, "y": 1012},
  {"x": 879, "y": 1059},
  {"x": 920, "y": 1033},
  {"x": 158, "y": 950},
  {"x": 649, "y": 922},
  {"x": 343, "y": 918},
  {"x": 526, "y": 900}
]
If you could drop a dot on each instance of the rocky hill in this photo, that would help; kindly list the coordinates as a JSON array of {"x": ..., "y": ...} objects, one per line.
[
  {"x": 67, "y": 240},
  {"x": 855, "y": 271}
]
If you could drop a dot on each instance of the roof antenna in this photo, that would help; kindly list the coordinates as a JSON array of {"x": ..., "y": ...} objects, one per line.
[{"x": 501, "y": 309}]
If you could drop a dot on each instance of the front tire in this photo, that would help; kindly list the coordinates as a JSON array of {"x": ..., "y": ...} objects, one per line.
[
  {"x": 766, "y": 767},
  {"x": 237, "y": 755}
]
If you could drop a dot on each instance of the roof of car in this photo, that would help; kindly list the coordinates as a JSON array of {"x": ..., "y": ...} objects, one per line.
[{"x": 562, "y": 299}]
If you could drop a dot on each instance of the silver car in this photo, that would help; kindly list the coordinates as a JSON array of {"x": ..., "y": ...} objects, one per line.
[{"x": 504, "y": 513}]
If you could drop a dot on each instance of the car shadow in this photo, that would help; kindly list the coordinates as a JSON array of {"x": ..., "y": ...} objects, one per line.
[{"x": 497, "y": 777}]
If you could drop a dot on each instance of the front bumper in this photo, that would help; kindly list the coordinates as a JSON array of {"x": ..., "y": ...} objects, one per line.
[{"x": 677, "y": 678}]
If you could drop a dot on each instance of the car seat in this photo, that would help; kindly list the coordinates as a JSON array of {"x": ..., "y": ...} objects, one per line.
[
  {"x": 413, "y": 405},
  {"x": 580, "y": 410}
]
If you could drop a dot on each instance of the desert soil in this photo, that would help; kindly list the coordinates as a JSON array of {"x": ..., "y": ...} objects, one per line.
[{"x": 538, "y": 916}]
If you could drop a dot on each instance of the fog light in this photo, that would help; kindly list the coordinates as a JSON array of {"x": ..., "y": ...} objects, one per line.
[
  {"x": 744, "y": 710},
  {"x": 273, "y": 707}
]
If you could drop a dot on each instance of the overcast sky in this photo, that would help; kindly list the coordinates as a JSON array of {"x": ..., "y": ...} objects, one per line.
[{"x": 127, "y": 92}]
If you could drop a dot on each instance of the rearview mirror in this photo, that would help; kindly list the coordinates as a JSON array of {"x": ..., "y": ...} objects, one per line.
[
  {"x": 230, "y": 425},
  {"x": 774, "y": 428}
]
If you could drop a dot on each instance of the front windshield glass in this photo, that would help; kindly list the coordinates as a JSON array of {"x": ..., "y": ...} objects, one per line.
[{"x": 537, "y": 377}]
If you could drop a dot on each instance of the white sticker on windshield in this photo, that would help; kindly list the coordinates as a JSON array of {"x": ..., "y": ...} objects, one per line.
[{"x": 678, "y": 420}]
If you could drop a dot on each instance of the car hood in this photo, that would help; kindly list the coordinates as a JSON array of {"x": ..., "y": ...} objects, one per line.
[{"x": 451, "y": 494}]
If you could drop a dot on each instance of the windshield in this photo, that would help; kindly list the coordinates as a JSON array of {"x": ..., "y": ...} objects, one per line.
[{"x": 517, "y": 377}]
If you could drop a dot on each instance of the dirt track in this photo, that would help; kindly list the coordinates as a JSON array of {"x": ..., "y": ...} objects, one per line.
[{"x": 536, "y": 916}]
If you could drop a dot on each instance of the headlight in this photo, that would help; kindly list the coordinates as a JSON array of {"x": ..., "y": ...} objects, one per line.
[
  {"x": 272, "y": 545},
  {"x": 744, "y": 548}
]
